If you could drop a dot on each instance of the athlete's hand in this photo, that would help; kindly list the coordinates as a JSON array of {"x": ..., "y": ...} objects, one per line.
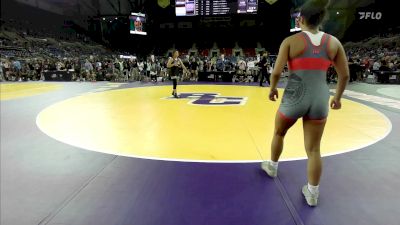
[
  {"x": 273, "y": 94},
  {"x": 336, "y": 104}
]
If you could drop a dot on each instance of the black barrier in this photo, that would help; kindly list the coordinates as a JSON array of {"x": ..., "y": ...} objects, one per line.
[
  {"x": 216, "y": 76},
  {"x": 58, "y": 75},
  {"x": 388, "y": 76}
]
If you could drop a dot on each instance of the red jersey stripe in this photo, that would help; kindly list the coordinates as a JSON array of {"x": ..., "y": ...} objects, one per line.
[
  {"x": 283, "y": 116},
  {"x": 309, "y": 64}
]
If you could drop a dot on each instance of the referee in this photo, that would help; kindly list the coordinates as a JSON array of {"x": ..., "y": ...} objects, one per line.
[{"x": 264, "y": 67}]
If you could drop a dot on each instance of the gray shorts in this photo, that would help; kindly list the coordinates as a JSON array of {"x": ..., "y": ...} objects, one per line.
[{"x": 306, "y": 96}]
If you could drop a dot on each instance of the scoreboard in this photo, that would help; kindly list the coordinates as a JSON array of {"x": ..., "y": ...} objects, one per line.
[{"x": 214, "y": 7}]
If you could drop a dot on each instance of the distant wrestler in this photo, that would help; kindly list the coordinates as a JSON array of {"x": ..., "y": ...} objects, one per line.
[
  {"x": 175, "y": 65},
  {"x": 309, "y": 55}
]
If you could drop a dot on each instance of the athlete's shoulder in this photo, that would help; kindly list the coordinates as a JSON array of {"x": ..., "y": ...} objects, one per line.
[
  {"x": 333, "y": 41},
  {"x": 331, "y": 37},
  {"x": 294, "y": 37},
  {"x": 286, "y": 41}
]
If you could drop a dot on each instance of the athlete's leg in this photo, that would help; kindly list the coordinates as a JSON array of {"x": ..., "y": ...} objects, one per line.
[
  {"x": 261, "y": 78},
  {"x": 174, "y": 83},
  {"x": 282, "y": 125},
  {"x": 313, "y": 131}
]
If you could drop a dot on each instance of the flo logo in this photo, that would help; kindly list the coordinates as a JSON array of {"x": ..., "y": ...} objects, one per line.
[
  {"x": 370, "y": 15},
  {"x": 211, "y": 99}
]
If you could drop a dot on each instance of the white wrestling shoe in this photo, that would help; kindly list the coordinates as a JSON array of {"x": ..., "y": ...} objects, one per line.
[
  {"x": 269, "y": 169},
  {"x": 312, "y": 199}
]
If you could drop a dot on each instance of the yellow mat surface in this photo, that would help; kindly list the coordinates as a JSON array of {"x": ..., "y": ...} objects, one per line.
[
  {"x": 20, "y": 90},
  {"x": 144, "y": 122}
]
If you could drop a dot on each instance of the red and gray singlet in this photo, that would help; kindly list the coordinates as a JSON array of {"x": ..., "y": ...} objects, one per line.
[{"x": 307, "y": 94}]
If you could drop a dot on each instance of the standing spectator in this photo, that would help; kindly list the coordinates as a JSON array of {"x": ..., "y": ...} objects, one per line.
[
  {"x": 98, "y": 65},
  {"x": 7, "y": 69},
  {"x": 110, "y": 75},
  {"x": 353, "y": 70},
  {"x": 240, "y": 72},
  {"x": 126, "y": 70},
  {"x": 24, "y": 73},
  {"x": 153, "y": 68},
  {"x": 186, "y": 62},
  {"x": 135, "y": 70},
  {"x": 396, "y": 65},
  {"x": 17, "y": 69},
  {"x": 201, "y": 66},
  {"x": 383, "y": 77},
  {"x": 88, "y": 70},
  {"x": 221, "y": 63},
  {"x": 118, "y": 68},
  {"x": 391, "y": 65},
  {"x": 2, "y": 78},
  {"x": 331, "y": 75},
  {"x": 77, "y": 70},
  {"x": 376, "y": 65},
  {"x": 141, "y": 67},
  {"x": 264, "y": 68},
  {"x": 194, "y": 69},
  {"x": 147, "y": 68}
]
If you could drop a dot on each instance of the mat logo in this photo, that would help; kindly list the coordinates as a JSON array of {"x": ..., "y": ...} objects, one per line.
[
  {"x": 212, "y": 99},
  {"x": 370, "y": 15}
]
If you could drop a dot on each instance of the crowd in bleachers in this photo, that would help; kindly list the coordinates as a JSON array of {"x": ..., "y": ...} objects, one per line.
[
  {"x": 25, "y": 57},
  {"x": 373, "y": 56},
  {"x": 113, "y": 68},
  {"x": 27, "y": 54}
]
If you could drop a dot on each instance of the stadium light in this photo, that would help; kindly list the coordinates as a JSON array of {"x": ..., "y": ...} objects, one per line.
[{"x": 271, "y": 1}]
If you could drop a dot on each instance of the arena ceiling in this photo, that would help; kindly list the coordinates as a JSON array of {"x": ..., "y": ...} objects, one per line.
[
  {"x": 123, "y": 7},
  {"x": 343, "y": 13}
]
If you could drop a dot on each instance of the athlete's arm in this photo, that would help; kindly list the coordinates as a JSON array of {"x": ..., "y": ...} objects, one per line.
[
  {"x": 342, "y": 69},
  {"x": 278, "y": 68},
  {"x": 170, "y": 63}
]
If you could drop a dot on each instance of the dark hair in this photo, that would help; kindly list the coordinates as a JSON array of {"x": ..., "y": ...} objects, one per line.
[{"x": 314, "y": 12}]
